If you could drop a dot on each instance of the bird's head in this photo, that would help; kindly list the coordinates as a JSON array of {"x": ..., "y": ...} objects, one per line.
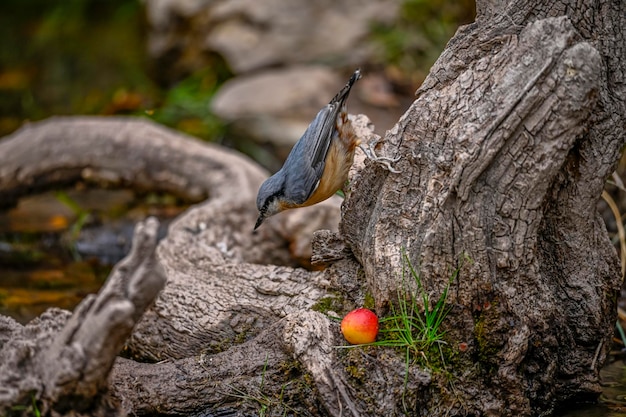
[{"x": 270, "y": 198}]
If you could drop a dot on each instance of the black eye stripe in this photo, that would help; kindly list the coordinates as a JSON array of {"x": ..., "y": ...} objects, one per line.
[{"x": 270, "y": 199}]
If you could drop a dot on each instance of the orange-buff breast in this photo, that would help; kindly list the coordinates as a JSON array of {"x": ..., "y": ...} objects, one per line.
[{"x": 338, "y": 163}]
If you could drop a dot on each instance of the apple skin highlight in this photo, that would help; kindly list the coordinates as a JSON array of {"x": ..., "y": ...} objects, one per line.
[{"x": 360, "y": 326}]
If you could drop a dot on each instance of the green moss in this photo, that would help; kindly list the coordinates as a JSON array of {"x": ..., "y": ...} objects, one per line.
[
  {"x": 437, "y": 357},
  {"x": 330, "y": 303},
  {"x": 483, "y": 333},
  {"x": 298, "y": 391},
  {"x": 356, "y": 372},
  {"x": 369, "y": 302},
  {"x": 242, "y": 335},
  {"x": 357, "y": 362},
  {"x": 479, "y": 333}
]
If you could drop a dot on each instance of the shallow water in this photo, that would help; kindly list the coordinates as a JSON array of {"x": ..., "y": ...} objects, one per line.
[{"x": 57, "y": 247}]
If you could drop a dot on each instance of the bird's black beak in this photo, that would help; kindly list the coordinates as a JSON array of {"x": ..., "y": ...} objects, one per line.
[{"x": 259, "y": 221}]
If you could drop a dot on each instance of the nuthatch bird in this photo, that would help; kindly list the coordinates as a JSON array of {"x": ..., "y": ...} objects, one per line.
[{"x": 318, "y": 164}]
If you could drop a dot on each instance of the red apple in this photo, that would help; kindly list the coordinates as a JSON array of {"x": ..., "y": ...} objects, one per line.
[{"x": 360, "y": 326}]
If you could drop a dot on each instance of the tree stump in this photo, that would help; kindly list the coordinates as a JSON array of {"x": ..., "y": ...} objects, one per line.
[{"x": 505, "y": 152}]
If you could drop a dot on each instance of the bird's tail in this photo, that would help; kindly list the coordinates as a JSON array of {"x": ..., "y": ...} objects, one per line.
[{"x": 342, "y": 96}]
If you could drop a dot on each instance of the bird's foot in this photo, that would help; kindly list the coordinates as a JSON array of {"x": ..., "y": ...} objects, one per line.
[{"x": 383, "y": 161}]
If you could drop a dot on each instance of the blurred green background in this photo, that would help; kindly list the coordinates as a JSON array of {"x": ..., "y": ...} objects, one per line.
[{"x": 61, "y": 57}]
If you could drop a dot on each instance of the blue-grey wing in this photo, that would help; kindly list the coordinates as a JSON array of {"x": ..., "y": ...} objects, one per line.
[{"x": 306, "y": 161}]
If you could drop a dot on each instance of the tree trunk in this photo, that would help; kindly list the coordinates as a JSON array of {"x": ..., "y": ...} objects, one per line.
[{"x": 504, "y": 154}]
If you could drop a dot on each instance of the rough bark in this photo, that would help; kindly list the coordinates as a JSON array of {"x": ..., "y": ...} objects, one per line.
[{"x": 504, "y": 156}]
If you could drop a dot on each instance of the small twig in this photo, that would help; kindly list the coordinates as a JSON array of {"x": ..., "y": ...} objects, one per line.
[
  {"x": 620, "y": 228},
  {"x": 596, "y": 355}
]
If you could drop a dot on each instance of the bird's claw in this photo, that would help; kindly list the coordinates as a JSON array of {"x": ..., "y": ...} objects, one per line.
[{"x": 384, "y": 161}]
